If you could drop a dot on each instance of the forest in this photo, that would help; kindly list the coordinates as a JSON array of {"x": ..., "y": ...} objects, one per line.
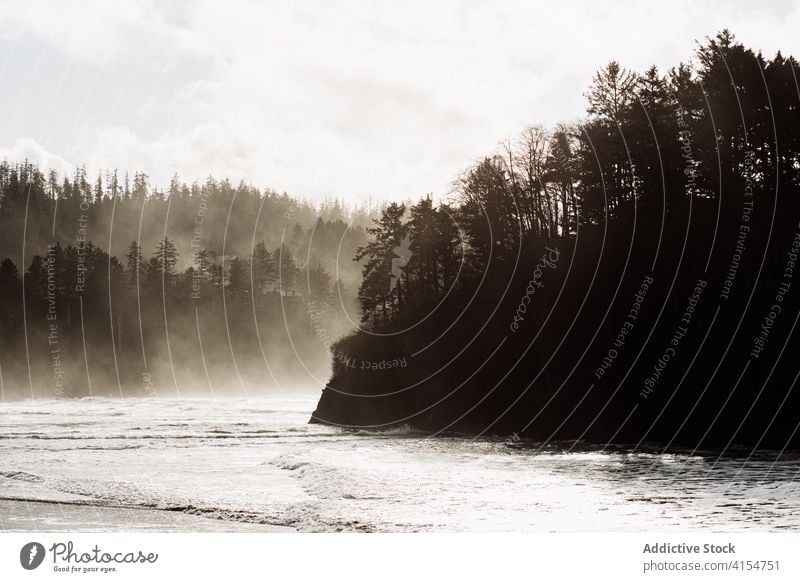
[
  {"x": 628, "y": 278},
  {"x": 111, "y": 287}
]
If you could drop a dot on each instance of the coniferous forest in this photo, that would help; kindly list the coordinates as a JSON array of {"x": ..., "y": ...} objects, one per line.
[
  {"x": 629, "y": 278},
  {"x": 113, "y": 287}
]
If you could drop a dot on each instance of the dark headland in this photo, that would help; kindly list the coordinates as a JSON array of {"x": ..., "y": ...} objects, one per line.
[{"x": 629, "y": 278}]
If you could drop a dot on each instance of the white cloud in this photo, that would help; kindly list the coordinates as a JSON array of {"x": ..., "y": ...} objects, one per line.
[
  {"x": 28, "y": 149},
  {"x": 94, "y": 30},
  {"x": 354, "y": 99}
]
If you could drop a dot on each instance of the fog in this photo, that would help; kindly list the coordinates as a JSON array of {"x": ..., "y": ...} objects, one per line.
[{"x": 112, "y": 288}]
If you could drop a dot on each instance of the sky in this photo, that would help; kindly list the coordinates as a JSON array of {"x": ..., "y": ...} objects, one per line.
[{"x": 352, "y": 99}]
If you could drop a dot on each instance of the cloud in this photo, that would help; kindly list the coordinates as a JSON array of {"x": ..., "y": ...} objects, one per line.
[
  {"x": 96, "y": 30},
  {"x": 28, "y": 149},
  {"x": 357, "y": 99}
]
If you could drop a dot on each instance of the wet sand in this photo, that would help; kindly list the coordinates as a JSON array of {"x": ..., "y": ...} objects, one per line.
[{"x": 47, "y": 516}]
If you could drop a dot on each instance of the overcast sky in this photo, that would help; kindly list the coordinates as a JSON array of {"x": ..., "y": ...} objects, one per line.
[{"x": 347, "y": 99}]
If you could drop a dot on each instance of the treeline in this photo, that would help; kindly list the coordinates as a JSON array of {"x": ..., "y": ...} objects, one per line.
[
  {"x": 193, "y": 302},
  {"x": 40, "y": 208},
  {"x": 578, "y": 252}
]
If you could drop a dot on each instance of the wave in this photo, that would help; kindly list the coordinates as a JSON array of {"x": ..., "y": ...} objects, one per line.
[
  {"x": 21, "y": 476},
  {"x": 302, "y": 516},
  {"x": 203, "y": 435},
  {"x": 398, "y": 431},
  {"x": 298, "y": 516},
  {"x": 325, "y": 481}
]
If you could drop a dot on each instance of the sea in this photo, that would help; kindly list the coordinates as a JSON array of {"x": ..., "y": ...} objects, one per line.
[{"x": 233, "y": 463}]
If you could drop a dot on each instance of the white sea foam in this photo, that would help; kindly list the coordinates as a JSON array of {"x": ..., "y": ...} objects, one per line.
[{"x": 257, "y": 461}]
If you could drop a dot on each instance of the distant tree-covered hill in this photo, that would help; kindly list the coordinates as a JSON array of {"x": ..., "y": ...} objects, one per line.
[{"x": 112, "y": 287}]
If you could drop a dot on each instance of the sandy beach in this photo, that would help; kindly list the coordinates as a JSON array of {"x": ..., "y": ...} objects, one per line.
[{"x": 47, "y": 516}]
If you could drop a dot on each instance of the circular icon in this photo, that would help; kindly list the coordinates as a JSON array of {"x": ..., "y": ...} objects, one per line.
[{"x": 31, "y": 555}]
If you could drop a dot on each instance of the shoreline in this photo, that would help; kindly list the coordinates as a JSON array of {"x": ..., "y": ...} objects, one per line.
[{"x": 42, "y": 515}]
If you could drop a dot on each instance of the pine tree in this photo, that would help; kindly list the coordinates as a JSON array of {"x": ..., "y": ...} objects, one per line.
[
  {"x": 98, "y": 190},
  {"x": 263, "y": 268},
  {"x": 134, "y": 264},
  {"x": 377, "y": 296},
  {"x": 166, "y": 256},
  {"x": 287, "y": 270},
  {"x": 612, "y": 91}
]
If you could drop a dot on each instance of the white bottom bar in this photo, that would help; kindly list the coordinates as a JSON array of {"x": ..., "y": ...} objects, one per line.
[{"x": 388, "y": 557}]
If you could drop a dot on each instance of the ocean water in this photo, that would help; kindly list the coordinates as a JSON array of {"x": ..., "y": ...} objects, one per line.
[{"x": 231, "y": 462}]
